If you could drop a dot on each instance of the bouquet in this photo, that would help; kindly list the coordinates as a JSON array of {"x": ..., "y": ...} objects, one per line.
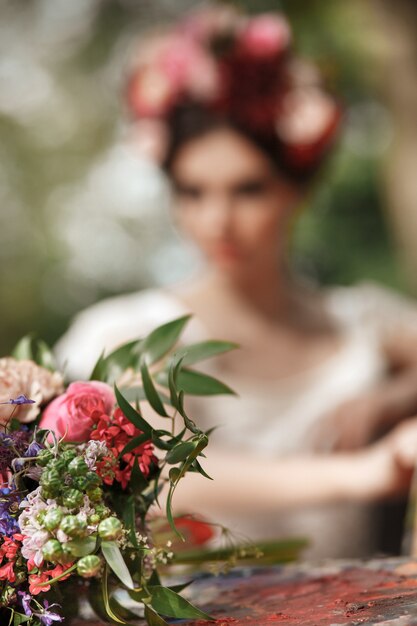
[{"x": 80, "y": 469}]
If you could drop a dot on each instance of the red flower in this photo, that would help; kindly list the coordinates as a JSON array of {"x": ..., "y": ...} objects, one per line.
[
  {"x": 36, "y": 583},
  {"x": 7, "y": 572},
  {"x": 117, "y": 431}
]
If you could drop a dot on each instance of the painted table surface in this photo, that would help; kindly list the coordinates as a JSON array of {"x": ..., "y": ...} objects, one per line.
[{"x": 349, "y": 593}]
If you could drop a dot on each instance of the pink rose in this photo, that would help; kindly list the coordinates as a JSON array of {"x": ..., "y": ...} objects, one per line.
[
  {"x": 69, "y": 415},
  {"x": 265, "y": 36}
]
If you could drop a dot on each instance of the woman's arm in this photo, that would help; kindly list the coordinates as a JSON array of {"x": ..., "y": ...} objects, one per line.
[{"x": 241, "y": 482}]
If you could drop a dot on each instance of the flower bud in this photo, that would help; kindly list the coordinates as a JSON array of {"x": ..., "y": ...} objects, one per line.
[
  {"x": 73, "y": 498},
  {"x": 95, "y": 494},
  {"x": 94, "y": 519},
  {"x": 89, "y": 566},
  {"x": 52, "y": 519},
  {"x": 51, "y": 480},
  {"x": 66, "y": 556},
  {"x": 78, "y": 467},
  {"x": 110, "y": 528},
  {"x": 59, "y": 465},
  {"x": 94, "y": 479},
  {"x": 101, "y": 510},
  {"x": 73, "y": 526},
  {"x": 52, "y": 550},
  {"x": 44, "y": 457},
  {"x": 80, "y": 483}
]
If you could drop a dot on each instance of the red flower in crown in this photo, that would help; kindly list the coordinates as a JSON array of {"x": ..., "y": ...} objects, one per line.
[{"x": 241, "y": 67}]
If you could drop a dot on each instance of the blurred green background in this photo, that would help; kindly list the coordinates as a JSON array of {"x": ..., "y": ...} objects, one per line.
[{"x": 83, "y": 217}]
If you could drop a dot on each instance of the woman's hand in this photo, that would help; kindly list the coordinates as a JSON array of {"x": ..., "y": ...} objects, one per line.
[
  {"x": 388, "y": 465},
  {"x": 359, "y": 421}
]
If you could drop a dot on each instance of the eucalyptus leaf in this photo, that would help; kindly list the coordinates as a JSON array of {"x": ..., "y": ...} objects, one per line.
[
  {"x": 187, "y": 421},
  {"x": 136, "y": 393},
  {"x": 198, "y": 384},
  {"x": 171, "y": 604},
  {"x": 160, "y": 341},
  {"x": 197, "y": 352},
  {"x": 180, "y": 452},
  {"x": 171, "y": 382},
  {"x": 114, "y": 558},
  {"x": 201, "y": 470},
  {"x": 132, "y": 415},
  {"x": 151, "y": 392},
  {"x": 109, "y": 368}
]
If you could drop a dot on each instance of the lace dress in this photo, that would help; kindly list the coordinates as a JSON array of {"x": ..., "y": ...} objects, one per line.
[{"x": 286, "y": 411}]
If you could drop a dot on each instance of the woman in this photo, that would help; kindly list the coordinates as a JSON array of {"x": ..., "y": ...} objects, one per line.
[{"x": 241, "y": 127}]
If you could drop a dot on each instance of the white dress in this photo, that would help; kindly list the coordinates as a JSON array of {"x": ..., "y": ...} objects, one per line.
[{"x": 285, "y": 411}]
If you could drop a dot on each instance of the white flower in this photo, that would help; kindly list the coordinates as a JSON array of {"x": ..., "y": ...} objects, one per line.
[{"x": 29, "y": 379}]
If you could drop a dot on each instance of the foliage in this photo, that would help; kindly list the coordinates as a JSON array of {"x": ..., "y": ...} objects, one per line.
[{"x": 80, "y": 509}]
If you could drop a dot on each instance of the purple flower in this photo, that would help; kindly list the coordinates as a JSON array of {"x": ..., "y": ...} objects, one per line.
[
  {"x": 9, "y": 505},
  {"x": 26, "y": 600},
  {"x": 33, "y": 449},
  {"x": 22, "y": 399},
  {"x": 46, "y": 617}
]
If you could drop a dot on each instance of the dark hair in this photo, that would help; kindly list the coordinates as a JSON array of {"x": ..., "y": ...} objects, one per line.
[{"x": 191, "y": 121}]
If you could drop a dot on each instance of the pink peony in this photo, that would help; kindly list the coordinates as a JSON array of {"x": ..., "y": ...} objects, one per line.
[
  {"x": 265, "y": 36},
  {"x": 69, "y": 415}
]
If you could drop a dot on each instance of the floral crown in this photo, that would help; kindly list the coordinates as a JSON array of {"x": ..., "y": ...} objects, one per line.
[{"x": 240, "y": 67}]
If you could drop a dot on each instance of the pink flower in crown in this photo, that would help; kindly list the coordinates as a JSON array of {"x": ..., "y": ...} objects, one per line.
[
  {"x": 265, "y": 36},
  {"x": 211, "y": 23},
  {"x": 188, "y": 66},
  {"x": 171, "y": 65},
  {"x": 69, "y": 415}
]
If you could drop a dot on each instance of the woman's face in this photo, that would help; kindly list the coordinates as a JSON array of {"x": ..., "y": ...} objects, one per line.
[{"x": 231, "y": 202}]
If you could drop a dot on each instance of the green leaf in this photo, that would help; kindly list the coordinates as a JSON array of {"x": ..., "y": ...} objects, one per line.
[
  {"x": 173, "y": 371},
  {"x": 151, "y": 392},
  {"x": 179, "y": 588},
  {"x": 106, "y": 600},
  {"x": 134, "y": 443},
  {"x": 137, "y": 394},
  {"x": 198, "y": 384},
  {"x": 44, "y": 355},
  {"x": 18, "y": 619},
  {"x": 114, "y": 558},
  {"x": 99, "y": 370},
  {"x": 152, "y": 617},
  {"x": 23, "y": 350},
  {"x": 187, "y": 421},
  {"x": 168, "y": 602},
  {"x": 201, "y": 470},
  {"x": 132, "y": 415},
  {"x": 109, "y": 368},
  {"x": 82, "y": 547},
  {"x": 137, "y": 481},
  {"x": 282, "y": 551},
  {"x": 160, "y": 341},
  {"x": 175, "y": 475},
  {"x": 180, "y": 452},
  {"x": 204, "y": 350}
]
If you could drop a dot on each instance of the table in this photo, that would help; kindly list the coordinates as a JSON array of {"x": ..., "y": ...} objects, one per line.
[{"x": 348, "y": 593}]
